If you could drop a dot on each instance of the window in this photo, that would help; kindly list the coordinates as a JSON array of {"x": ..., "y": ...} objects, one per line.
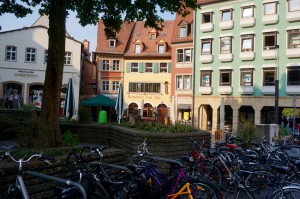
[
  {"x": 293, "y": 5},
  {"x": 184, "y": 82},
  {"x": 205, "y": 78},
  {"x": 105, "y": 85},
  {"x": 225, "y": 45},
  {"x": 270, "y": 8},
  {"x": 184, "y": 55},
  {"x": 225, "y": 77},
  {"x": 115, "y": 86},
  {"x": 247, "y": 11},
  {"x": 11, "y": 53},
  {"x": 161, "y": 49},
  {"x": 226, "y": 15},
  {"x": 269, "y": 75},
  {"x": 105, "y": 64},
  {"x": 134, "y": 67},
  {"x": 144, "y": 87},
  {"x": 46, "y": 56},
  {"x": 68, "y": 58},
  {"x": 179, "y": 82},
  {"x": 138, "y": 48},
  {"x": 152, "y": 36},
  {"x": 247, "y": 42},
  {"x": 149, "y": 68},
  {"x": 116, "y": 65},
  {"x": 270, "y": 40},
  {"x": 112, "y": 43},
  {"x": 206, "y": 46},
  {"x": 163, "y": 68},
  {"x": 293, "y": 76},
  {"x": 182, "y": 31},
  {"x": 246, "y": 77},
  {"x": 207, "y": 17},
  {"x": 293, "y": 38},
  {"x": 30, "y": 54}
]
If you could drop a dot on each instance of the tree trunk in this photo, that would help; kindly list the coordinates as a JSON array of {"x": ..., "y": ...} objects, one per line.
[{"x": 49, "y": 131}]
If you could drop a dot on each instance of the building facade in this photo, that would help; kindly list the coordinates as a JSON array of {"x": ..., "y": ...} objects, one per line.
[{"x": 241, "y": 48}]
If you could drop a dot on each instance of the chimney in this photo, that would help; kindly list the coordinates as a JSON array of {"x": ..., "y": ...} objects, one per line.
[{"x": 86, "y": 45}]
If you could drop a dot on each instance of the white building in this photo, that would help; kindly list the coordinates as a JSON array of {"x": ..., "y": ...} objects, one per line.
[{"x": 23, "y": 61}]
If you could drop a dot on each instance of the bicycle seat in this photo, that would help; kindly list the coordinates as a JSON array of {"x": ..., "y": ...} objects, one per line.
[
  {"x": 136, "y": 169},
  {"x": 280, "y": 168}
]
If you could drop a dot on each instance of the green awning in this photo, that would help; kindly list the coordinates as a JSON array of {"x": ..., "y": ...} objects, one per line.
[{"x": 99, "y": 100}]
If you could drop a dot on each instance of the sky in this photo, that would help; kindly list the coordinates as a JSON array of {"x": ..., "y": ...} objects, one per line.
[{"x": 89, "y": 32}]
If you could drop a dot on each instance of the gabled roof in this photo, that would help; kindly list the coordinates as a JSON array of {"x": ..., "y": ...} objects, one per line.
[
  {"x": 122, "y": 39},
  {"x": 142, "y": 33},
  {"x": 180, "y": 20}
]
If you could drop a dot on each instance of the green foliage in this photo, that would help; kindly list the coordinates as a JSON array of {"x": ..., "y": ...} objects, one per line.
[
  {"x": 246, "y": 131},
  {"x": 84, "y": 116},
  {"x": 69, "y": 139},
  {"x": 283, "y": 131},
  {"x": 289, "y": 112}
]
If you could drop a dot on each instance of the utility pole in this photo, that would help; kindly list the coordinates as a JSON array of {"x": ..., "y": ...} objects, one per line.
[{"x": 276, "y": 86}]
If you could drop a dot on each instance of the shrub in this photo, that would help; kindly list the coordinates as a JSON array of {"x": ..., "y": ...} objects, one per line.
[
  {"x": 69, "y": 139},
  {"x": 247, "y": 132},
  {"x": 84, "y": 116}
]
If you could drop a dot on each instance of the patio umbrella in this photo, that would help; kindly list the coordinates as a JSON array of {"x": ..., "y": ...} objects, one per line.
[
  {"x": 222, "y": 114},
  {"x": 119, "y": 103},
  {"x": 69, "y": 108},
  {"x": 142, "y": 107}
]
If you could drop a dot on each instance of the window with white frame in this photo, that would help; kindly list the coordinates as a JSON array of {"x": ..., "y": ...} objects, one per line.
[
  {"x": 11, "y": 53},
  {"x": 179, "y": 82},
  {"x": 226, "y": 15},
  {"x": 293, "y": 76},
  {"x": 187, "y": 79},
  {"x": 163, "y": 68},
  {"x": 225, "y": 77},
  {"x": 138, "y": 48},
  {"x": 269, "y": 40},
  {"x": 161, "y": 48},
  {"x": 206, "y": 46},
  {"x": 183, "y": 31},
  {"x": 152, "y": 36},
  {"x": 112, "y": 43},
  {"x": 270, "y": 8},
  {"x": 293, "y": 5},
  {"x": 105, "y": 64},
  {"x": 134, "y": 67},
  {"x": 293, "y": 37},
  {"x": 184, "y": 55},
  {"x": 225, "y": 45},
  {"x": 105, "y": 85},
  {"x": 149, "y": 68},
  {"x": 247, "y": 42},
  {"x": 247, "y": 11},
  {"x": 46, "y": 56},
  {"x": 246, "y": 77},
  {"x": 269, "y": 76},
  {"x": 207, "y": 17},
  {"x": 116, "y": 65},
  {"x": 30, "y": 54},
  {"x": 205, "y": 76},
  {"x": 115, "y": 86},
  {"x": 68, "y": 58}
]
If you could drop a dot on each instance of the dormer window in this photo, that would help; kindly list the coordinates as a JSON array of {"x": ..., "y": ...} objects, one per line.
[
  {"x": 183, "y": 31},
  {"x": 112, "y": 43},
  {"x": 161, "y": 48},
  {"x": 137, "y": 48},
  {"x": 153, "y": 34}
]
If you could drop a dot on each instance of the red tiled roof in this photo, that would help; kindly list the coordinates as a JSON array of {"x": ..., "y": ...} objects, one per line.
[
  {"x": 202, "y": 2},
  {"x": 142, "y": 34},
  {"x": 122, "y": 39},
  {"x": 180, "y": 20}
]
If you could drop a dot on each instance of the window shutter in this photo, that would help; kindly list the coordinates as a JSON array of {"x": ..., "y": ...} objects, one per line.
[
  {"x": 141, "y": 67},
  {"x": 155, "y": 67},
  {"x": 128, "y": 64},
  {"x": 169, "y": 67}
]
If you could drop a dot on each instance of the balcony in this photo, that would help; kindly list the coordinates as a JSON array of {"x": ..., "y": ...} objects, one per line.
[
  {"x": 267, "y": 90},
  {"x": 247, "y": 55},
  {"x": 205, "y": 90},
  {"x": 292, "y": 90},
  {"x": 224, "y": 25},
  {"x": 269, "y": 54},
  {"x": 247, "y": 22},
  {"x": 293, "y": 16},
  {"x": 207, "y": 27},
  {"x": 270, "y": 19},
  {"x": 206, "y": 58},
  {"x": 293, "y": 52},
  {"x": 225, "y": 90},
  {"x": 227, "y": 57},
  {"x": 246, "y": 90}
]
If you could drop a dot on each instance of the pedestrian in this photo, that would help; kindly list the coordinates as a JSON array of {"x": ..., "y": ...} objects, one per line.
[
  {"x": 291, "y": 124},
  {"x": 130, "y": 119},
  {"x": 284, "y": 121}
]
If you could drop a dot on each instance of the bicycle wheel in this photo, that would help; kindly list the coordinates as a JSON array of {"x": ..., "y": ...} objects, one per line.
[
  {"x": 259, "y": 180},
  {"x": 204, "y": 190},
  {"x": 288, "y": 192}
]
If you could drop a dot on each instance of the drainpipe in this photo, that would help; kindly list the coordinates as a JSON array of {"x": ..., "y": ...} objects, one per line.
[{"x": 194, "y": 66}]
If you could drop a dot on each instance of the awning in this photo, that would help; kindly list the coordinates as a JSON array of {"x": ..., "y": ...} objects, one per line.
[
  {"x": 99, "y": 100},
  {"x": 184, "y": 106}
]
